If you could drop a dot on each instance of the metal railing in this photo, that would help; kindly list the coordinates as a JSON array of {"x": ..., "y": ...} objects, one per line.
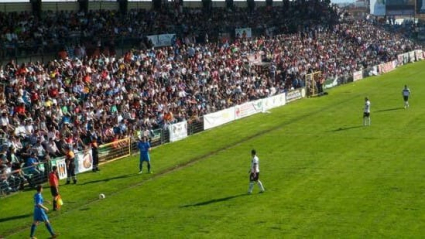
[{"x": 21, "y": 177}]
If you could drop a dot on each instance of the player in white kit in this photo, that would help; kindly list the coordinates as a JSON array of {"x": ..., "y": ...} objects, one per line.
[
  {"x": 254, "y": 173},
  {"x": 366, "y": 112},
  {"x": 406, "y": 94}
]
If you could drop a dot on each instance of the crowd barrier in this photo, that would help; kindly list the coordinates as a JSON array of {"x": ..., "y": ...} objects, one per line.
[
  {"x": 27, "y": 176},
  {"x": 115, "y": 150}
]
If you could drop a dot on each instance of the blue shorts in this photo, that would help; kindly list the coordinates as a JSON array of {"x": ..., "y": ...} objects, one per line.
[
  {"x": 40, "y": 215},
  {"x": 145, "y": 158}
]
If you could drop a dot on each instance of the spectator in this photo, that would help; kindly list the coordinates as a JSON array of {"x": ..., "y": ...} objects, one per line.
[
  {"x": 52, "y": 149},
  {"x": 4, "y": 184},
  {"x": 31, "y": 171},
  {"x": 17, "y": 177},
  {"x": 39, "y": 150}
]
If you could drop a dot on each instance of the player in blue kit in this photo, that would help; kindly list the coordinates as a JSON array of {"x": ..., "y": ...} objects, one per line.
[
  {"x": 40, "y": 213},
  {"x": 144, "y": 147}
]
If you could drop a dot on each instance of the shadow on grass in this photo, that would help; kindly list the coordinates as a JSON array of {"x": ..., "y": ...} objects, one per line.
[
  {"x": 14, "y": 218},
  {"x": 214, "y": 201},
  {"x": 108, "y": 179},
  {"x": 346, "y": 128},
  {"x": 391, "y": 109}
]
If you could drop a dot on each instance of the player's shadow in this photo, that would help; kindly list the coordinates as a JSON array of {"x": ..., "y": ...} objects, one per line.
[
  {"x": 107, "y": 179},
  {"x": 391, "y": 109},
  {"x": 14, "y": 218},
  {"x": 214, "y": 201},
  {"x": 346, "y": 128}
]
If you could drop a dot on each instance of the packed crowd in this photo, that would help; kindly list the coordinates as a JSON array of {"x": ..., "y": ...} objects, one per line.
[
  {"x": 27, "y": 34},
  {"x": 72, "y": 101}
]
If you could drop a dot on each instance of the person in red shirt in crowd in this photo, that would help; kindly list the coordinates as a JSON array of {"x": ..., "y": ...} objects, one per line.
[
  {"x": 34, "y": 97},
  {"x": 62, "y": 54},
  {"x": 53, "y": 92},
  {"x": 54, "y": 186},
  {"x": 20, "y": 110}
]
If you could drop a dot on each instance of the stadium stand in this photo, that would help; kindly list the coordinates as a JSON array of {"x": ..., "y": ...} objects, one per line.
[{"x": 89, "y": 91}]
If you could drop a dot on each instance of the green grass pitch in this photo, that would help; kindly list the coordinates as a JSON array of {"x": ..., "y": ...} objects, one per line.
[{"x": 326, "y": 176}]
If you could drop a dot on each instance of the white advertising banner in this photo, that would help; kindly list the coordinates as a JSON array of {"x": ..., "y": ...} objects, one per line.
[
  {"x": 274, "y": 101},
  {"x": 178, "y": 131},
  {"x": 248, "y": 109},
  {"x": 60, "y": 163},
  {"x": 400, "y": 59},
  {"x": 419, "y": 55},
  {"x": 357, "y": 75},
  {"x": 218, "y": 118},
  {"x": 256, "y": 58},
  {"x": 162, "y": 40},
  {"x": 411, "y": 56},
  {"x": 387, "y": 67},
  {"x": 377, "y": 7},
  {"x": 243, "y": 32},
  {"x": 329, "y": 83},
  {"x": 83, "y": 161},
  {"x": 405, "y": 58},
  {"x": 294, "y": 95}
]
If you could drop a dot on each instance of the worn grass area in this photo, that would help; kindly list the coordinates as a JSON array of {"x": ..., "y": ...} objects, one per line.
[{"x": 325, "y": 176}]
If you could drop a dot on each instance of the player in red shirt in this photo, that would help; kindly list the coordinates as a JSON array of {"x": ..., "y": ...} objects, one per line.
[{"x": 54, "y": 186}]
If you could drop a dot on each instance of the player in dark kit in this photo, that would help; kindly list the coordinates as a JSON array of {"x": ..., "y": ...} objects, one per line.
[
  {"x": 70, "y": 165},
  {"x": 95, "y": 154}
]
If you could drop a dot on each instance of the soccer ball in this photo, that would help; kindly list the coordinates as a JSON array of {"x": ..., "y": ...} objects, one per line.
[{"x": 101, "y": 196}]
